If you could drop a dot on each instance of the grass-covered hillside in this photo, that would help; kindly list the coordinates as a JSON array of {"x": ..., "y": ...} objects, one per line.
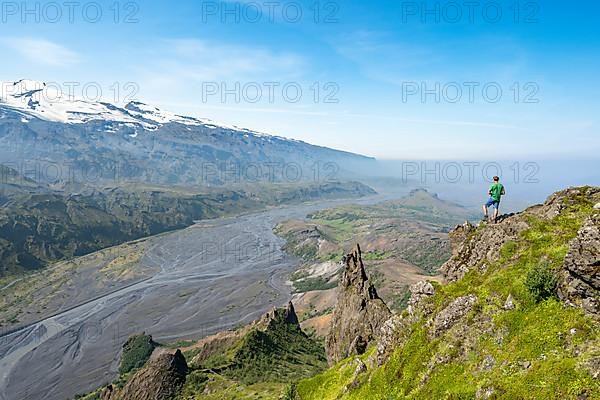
[
  {"x": 257, "y": 361},
  {"x": 501, "y": 329}
]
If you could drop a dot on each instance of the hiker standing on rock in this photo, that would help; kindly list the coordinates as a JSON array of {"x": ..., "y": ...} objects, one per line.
[{"x": 496, "y": 192}]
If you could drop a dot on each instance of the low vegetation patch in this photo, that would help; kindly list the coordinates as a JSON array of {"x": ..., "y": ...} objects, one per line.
[
  {"x": 136, "y": 351},
  {"x": 541, "y": 282},
  {"x": 282, "y": 354},
  {"x": 312, "y": 284}
]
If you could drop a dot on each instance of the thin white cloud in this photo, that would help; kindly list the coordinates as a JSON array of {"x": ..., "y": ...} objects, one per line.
[
  {"x": 383, "y": 56},
  {"x": 383, "y": 59},
  {"x": 181, "y": 67},
  {"x": 42, "y": 51},
  {"x": 200, "y": 60}
]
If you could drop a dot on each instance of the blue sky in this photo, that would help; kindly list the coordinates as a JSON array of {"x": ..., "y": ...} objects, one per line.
[{"x": 373, "y": 59}]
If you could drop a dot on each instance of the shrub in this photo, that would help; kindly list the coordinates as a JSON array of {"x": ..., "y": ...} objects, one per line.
[
  {"x": 400, "y": 301},
  {"x": 541, "y": 282},
  {"x": 136, "y": 351}
]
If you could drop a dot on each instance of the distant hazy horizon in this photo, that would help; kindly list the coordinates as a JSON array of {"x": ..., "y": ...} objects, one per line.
[{"x": 466, "y": 181}]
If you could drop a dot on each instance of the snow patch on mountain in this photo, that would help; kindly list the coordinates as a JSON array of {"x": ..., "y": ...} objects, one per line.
[
  {"x": 151, "y": 113},
  {"x": 37, "y": 99},
  {"x": 48, "y": 103}
]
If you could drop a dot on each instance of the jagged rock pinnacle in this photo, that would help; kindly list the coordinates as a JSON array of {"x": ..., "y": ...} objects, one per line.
[
  {"x": 285, "y": 315},
  {"x": 290, "y": 314},
  {"x": 359, "y": 311},
  {"x": 355, "y": 269}
]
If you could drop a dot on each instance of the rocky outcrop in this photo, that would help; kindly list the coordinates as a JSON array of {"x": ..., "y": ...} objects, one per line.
[
  {"x": 559, "y": 201},
  {"x": 286, "y": 315},
  {"x": 475, "y": 248},
  {"x": 359, "y": 312},
  {"x": 579, "y": 280},
  {"x": 450, "y": 315},
  {"x": 418, "y": 292},
  {"x": 161, "y": 378}
]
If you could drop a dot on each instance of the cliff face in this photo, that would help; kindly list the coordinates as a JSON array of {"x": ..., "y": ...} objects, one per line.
[
  {"x": 517, "y": 318},
  {"x": 359, "y": 312}
]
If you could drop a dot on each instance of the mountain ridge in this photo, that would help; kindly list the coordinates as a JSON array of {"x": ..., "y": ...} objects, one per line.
[
  {"x": 94, "y": 143},
  {"x": 30, "y": 98}
]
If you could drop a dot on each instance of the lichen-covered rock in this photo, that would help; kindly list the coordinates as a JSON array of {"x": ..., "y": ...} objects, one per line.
[
  {"x": 359, "y": 312},
  {"x": 161, "y": 378},
  {"x": 389, "y": 337},
  {"x": 579, "y": 280},
  {"x": 474, "y": 248},
  {"x": 488, "y": 363},
  {"x": 593, "y": 367},
  {"x": 361, "y": 368},
  {"x": 418, "y": 292},
  {"x": 559, "y": 201},
  {"x": 484, "y": 393},
  {"x": 450, "y": 315}
]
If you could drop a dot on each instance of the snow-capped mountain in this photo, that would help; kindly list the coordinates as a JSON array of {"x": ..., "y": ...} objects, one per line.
[
  {"x": 47, "y": 102},
  {"x": 40, "y": 124},
  {"x": 36, "y": 99}
]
